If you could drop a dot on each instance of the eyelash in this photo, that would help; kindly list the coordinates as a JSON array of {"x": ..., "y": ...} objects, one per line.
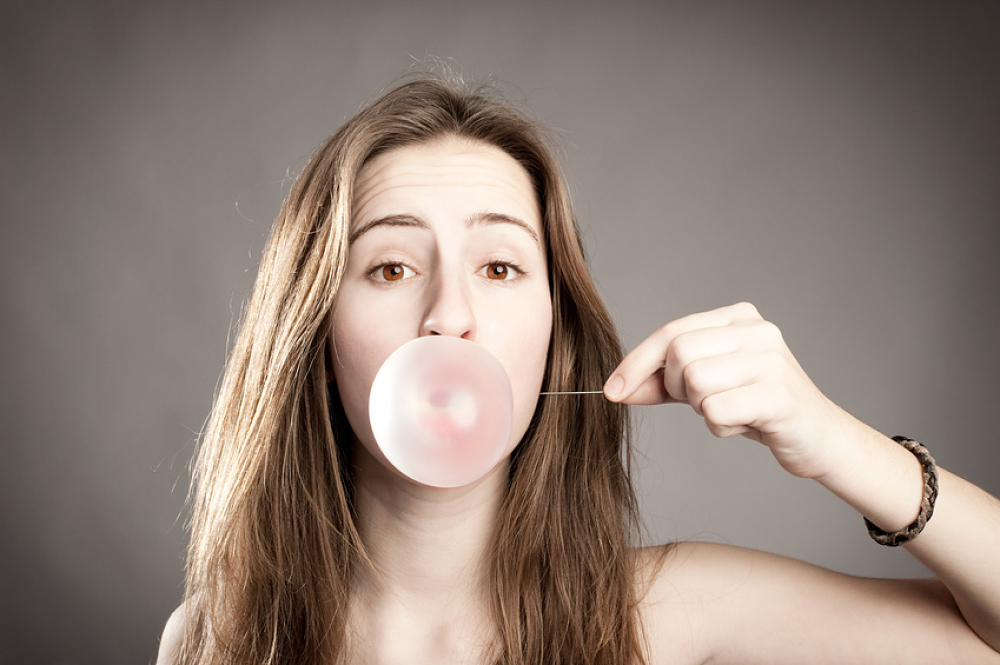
[
  {"x": 518, "y": 271},
  {"x": 373, "y": 272}
]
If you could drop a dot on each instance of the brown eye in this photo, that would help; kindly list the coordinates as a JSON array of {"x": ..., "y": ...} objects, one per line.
[
  {"x": 497, "y": 271},
  {"x": 392, "y": 272}
]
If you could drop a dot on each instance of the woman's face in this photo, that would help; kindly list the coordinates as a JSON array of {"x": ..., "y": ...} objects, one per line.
[{"x": 446, "y": 239}]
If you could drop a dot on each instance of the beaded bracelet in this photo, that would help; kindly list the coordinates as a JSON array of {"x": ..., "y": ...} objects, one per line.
[{"x": 910, "y": 532}]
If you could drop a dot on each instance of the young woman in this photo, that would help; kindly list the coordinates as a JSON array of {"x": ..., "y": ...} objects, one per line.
[{"x": 439, "y": 210}]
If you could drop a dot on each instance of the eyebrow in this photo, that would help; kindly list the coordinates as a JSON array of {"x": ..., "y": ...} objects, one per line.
[
  {"x": 481, "y": 218},
  {"x": 490, "y": 218},
  {"x": 389, "y": 220}
]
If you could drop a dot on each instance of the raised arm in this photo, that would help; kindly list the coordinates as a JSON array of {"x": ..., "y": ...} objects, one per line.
[{"x": 734, "y": 369}]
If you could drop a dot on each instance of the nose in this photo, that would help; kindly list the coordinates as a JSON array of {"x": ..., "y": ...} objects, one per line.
[{"x": 449, "y": 310}]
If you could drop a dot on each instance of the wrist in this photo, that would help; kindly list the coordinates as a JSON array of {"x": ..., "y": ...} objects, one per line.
[
  {"x": 879, "y": 478},
  {"x": 930, "y": 492}
]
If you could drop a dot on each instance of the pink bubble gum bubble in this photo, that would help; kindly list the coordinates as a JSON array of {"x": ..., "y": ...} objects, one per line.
[{"x": 441, "y": 410}]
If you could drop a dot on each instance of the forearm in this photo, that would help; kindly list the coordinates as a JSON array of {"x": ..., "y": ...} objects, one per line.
[
  {"x": 961, "y": 542},
  {"x": 961, "y": 545}
]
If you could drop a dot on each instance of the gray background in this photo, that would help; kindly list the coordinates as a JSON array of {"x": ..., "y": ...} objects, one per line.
[{"x": 836, "y": 165}]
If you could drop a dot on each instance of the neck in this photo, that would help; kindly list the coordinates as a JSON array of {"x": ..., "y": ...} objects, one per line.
[
  {"x": 425, "y": 542},
  {"x": 428, "y": 546}
]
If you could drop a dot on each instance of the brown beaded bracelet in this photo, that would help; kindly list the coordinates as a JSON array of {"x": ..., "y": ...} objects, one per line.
[{"x": 910, "y": 532}]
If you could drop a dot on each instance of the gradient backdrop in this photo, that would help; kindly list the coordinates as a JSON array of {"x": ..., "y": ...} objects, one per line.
[{"x": 839, "y": 166}]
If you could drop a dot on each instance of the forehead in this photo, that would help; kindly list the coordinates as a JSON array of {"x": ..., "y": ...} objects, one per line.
[{"x": 442, "y": 177}]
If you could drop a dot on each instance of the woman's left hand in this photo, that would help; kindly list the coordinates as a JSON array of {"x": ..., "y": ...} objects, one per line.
[{"x": 735, "y": 370}]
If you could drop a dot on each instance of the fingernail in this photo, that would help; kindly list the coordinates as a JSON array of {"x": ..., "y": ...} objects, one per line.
[{"x": 614, "y": 387}]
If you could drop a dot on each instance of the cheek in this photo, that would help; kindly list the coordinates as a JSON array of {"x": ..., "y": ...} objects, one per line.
[
  {"x": 357, "y": 352},
  {"x": 363, "y": 336},
  {"x": 527, "y": 369}
]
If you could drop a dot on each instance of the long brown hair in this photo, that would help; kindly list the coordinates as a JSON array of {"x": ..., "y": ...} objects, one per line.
[{"x": 274, "y": 545}]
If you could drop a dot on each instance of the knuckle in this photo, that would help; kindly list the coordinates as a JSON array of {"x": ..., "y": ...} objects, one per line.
[
  {"x": 712, "y": 410},
  {"x": 716, "y": 431},
  {"x": 747, "y": 309},
  {"x": 669, "y": 331},
  {"x": 667, "y": 327},
  {"x": 697, "y": 381},
  {"x": 769, "y": 332},
  {"x": 681, "y": 351}
]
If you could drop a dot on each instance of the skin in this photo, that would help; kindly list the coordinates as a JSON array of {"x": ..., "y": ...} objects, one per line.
[
  {"x": 429, "y": 273},
  {"x": 447, "y": 240},
  {"x": 720, "y": 604}
]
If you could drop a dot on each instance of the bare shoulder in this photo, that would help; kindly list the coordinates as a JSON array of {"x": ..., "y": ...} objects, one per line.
[
  {"x": 173, "y": 634},
  {"x": 705, "y": 602},
  {"x": 680, "y": 586}
]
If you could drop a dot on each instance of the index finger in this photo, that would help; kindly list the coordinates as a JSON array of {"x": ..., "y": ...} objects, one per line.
[{"x": 638, "y": 379}]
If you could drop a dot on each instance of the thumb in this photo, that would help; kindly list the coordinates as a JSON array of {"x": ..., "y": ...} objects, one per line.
[{"x": 650, "y": 391}]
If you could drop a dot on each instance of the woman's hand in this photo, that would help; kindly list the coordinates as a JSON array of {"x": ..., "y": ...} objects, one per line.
[{"x": 735, "y": 371}]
